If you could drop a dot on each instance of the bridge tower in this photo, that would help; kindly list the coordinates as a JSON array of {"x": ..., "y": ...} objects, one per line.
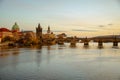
[{"x": 39, "y": 34}]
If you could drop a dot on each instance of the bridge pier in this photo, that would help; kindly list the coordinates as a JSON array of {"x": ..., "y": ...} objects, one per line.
[
  {"x": 86, "y": 43},
  {"x": 73, "y": 42},
  {"x": 60, "y": 42},
  {"x": 100, "y": 44},
  {"x": 115, "y": 43}
]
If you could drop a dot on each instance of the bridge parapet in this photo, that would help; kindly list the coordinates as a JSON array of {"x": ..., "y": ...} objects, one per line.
[{"x": 106, "y": 39}]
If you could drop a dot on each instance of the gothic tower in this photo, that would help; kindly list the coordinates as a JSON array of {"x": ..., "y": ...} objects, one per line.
[{"x": 39, "y": 33}]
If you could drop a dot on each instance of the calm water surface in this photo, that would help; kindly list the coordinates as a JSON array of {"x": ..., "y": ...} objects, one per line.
[{"x": 61, "y": 63}]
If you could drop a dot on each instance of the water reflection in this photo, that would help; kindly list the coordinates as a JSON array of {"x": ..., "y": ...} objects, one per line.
[
  {"x": 60, "y": 62},
  {"x": 16, "y": 51},
  {"x": 115, "y": 47},
  {"x": 39, "y": 47},
  {"x": 61, "y": 46},
  {"x": 99, "y": 47},
  {"x": 48, "y": 54},
  {"x": 86, "y": 46},
  {"x": 38, "y": 57},
  {"x": 3, "y": 52},
  {"x": 15, "y": 61},
  {"x": 48, "y": 47}
]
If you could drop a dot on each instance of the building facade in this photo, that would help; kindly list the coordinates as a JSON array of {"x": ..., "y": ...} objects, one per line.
[
  {"x": 4, "y": 32},
  {"x": 13, "y": 33}
]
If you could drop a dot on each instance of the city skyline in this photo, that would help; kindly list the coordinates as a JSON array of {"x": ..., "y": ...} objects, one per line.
[{"x": 75, "y": 17}]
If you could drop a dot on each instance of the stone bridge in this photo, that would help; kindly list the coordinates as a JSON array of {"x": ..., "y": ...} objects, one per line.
[{"x": 100, "y": 40}]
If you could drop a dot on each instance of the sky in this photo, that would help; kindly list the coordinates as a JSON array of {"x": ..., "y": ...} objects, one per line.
[{"x": 74, "y": 17}]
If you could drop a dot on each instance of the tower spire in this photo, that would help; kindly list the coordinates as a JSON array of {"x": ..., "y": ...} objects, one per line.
[
  {"x": 39, "y": 25},
  {"x": 48, "y": 31}
]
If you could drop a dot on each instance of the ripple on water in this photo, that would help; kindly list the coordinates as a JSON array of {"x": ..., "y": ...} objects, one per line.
[{"x": 61, "y": 62}]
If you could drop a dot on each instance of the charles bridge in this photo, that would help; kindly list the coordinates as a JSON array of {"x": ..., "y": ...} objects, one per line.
[{"x": 100, "y": 40}]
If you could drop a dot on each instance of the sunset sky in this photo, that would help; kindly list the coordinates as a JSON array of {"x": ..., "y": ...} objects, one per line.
[{"x": 75, "y": 17}]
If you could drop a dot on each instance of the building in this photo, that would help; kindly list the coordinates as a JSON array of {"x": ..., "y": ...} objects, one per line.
[
  {"x": 15, "y": 28},
  {"x": 39, "y": 34},
  {"x": 13, "y": 33},
  {"x": 47, "y": 38},
  {"x": 28, "y": 35},
  {"x": 49, "y": 34},
  {"x": 16, "y": 31},
  {"x": 4, "y": 32}
]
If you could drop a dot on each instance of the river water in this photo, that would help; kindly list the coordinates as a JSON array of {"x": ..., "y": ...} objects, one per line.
[{"x": 60, "y": 62}]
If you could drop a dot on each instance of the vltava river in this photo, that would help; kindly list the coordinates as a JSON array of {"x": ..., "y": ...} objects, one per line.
[{"x": 60, "y": 63}]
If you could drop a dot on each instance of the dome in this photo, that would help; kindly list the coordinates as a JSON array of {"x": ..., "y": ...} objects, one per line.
[
  {"x": 15, "y": 27},
  {"x": 4, "y": 30}
]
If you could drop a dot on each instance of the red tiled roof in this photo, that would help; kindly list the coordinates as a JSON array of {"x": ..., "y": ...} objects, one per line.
[{"x": 4, "y": 30}]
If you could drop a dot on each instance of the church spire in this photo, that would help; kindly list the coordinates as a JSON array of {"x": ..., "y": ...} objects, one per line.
[{"x": 48, "y": 31}]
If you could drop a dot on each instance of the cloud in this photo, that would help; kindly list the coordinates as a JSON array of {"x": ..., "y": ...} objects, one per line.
[
  {"x": 101, "y": 26},
  {"x": 59, "y": 31},
  {"x": 83, "y": 30},
  {"x": 55, "y": 31},
  {"x": 90, "y": 26},
  {"x": 110, "y": 24}
]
